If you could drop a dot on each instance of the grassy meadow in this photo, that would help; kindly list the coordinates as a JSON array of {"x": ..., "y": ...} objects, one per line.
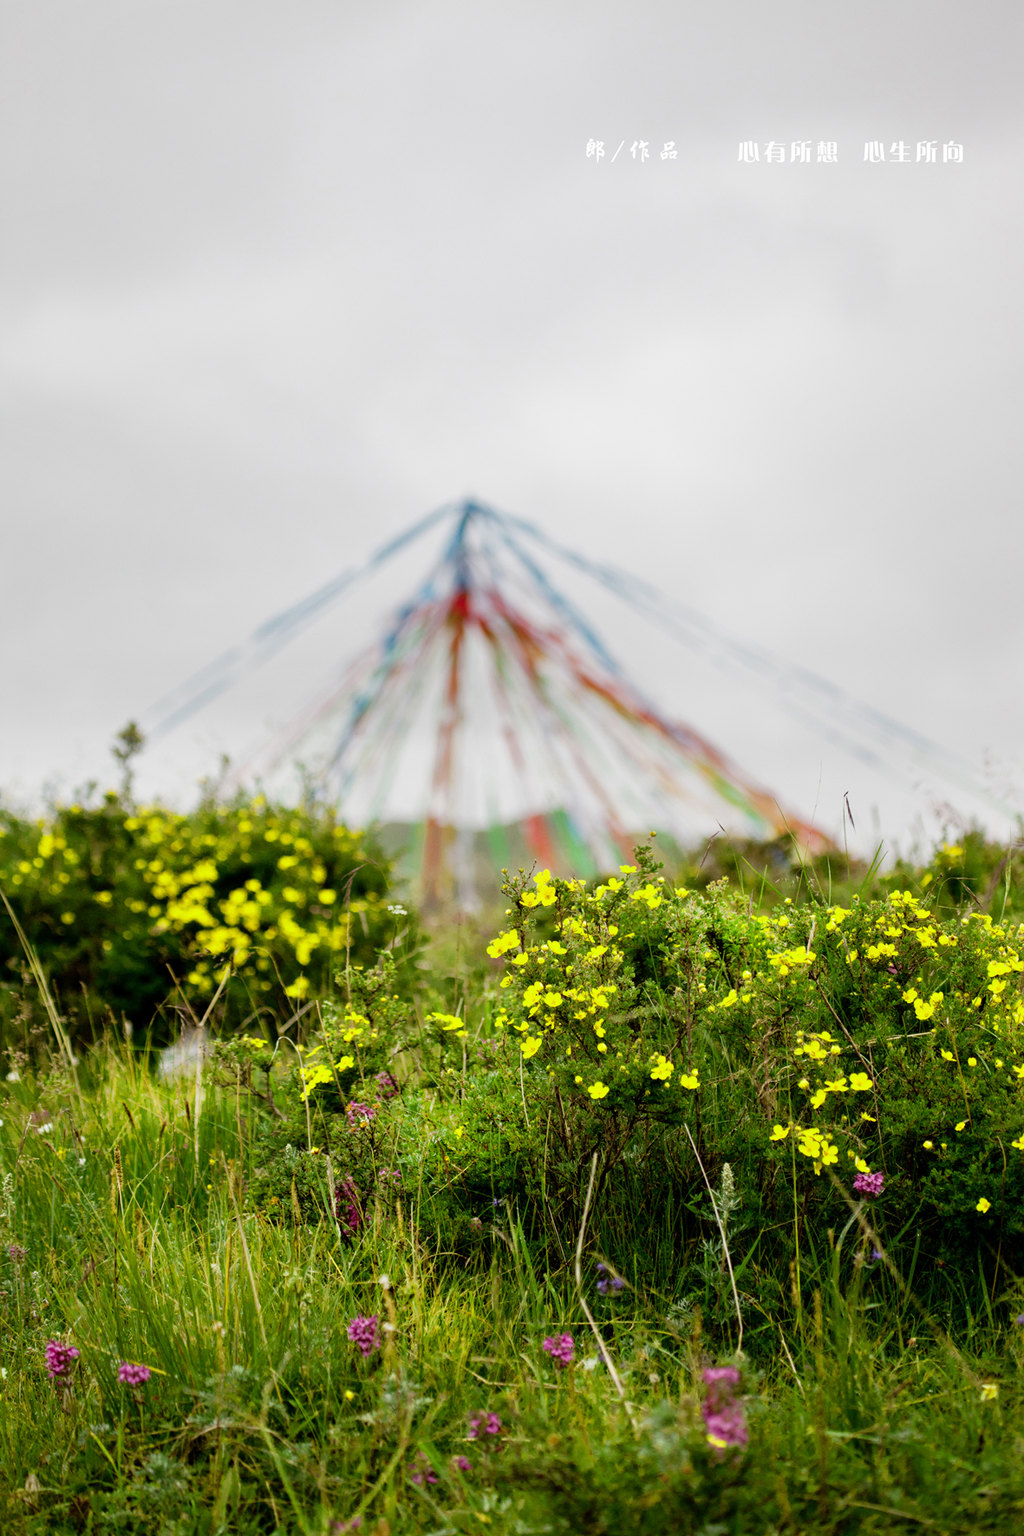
[{"x": 689, "y": 1199}]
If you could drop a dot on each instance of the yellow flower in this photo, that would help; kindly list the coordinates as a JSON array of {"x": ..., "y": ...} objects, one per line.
[
  {"x": 312, "y": 1077},
  {"x": 448, "y": 1022},
  {"x": 861, "y": 1082},
  {"x": 989, "y": 1391},
  {"x": 503, "y": 943},
  {"x": 598, "y": 1090},
  {"x": 1019, "y": 1143},
  {"x": 779, "y": 1132},
  {"x": 689, "y": 1080},
  {"x": 530, "y": 1047},
  {"x": 983, "y": 1205}
]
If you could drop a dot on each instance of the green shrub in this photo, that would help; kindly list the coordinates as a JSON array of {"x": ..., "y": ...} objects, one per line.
[
  {"x": 130, "y": 907},
  {"x": 803, "y": 1047}
]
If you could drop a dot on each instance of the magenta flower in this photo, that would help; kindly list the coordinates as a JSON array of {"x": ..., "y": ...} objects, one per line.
[
  {"x": 133, "y": 1375},
  {"x": 363, "y": 1331},
  {"x": 16, "y": 1253},
  {"x": 869, "y": 1184},
  {"x": 561, "y": 1348},
  {"x": 724, "y": 1419},
  {"x": 421, "y": 1472},
  {"x": 386, "y": 1085},
  {"x": 462, "y": 1464},
  {"x": 727, "y": 1428},
  {"x": 484, "y": 1424},
  {"x": 59, "y": 1358},
  {"x": 359, "y": 1114},
  {"x": 721, "y": 1379},
  {"x": 347, "y": 1208}
]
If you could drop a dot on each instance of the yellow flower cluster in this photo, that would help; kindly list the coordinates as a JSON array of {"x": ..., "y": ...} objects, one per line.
[
  {"x": 922, "y": 1009},
  {"x": 565, "y": 987},
  {"x": 811, "y": 1142}
]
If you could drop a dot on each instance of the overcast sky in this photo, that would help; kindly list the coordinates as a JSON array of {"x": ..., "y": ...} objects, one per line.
[{"x": 279, "y": 278}]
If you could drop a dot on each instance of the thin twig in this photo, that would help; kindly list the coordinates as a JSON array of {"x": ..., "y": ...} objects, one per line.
[{"x": 605, "y": 1356}]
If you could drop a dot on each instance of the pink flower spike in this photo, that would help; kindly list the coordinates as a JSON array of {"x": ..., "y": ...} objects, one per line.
[
  {"x": 133, "y": 1375},
  {"x": 561, "y": 1348},
  {"x": 59, "y": 1358},
  {"x": 364, "y": 1335},
  {"x": 728, "y": 1375}
]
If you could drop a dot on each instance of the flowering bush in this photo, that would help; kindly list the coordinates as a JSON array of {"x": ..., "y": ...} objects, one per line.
[
  {"x": 112, "y": 895},
  {"x": 881, "y": 1042},
  {"x": 335, "y": 1100}
]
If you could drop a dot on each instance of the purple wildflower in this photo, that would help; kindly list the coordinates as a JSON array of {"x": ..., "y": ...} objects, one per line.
[
  {"x": 363, "y": 1331},
  {"x": 484, "y": 1423},
  {"x": 610, "y": 1283},
  {"x": 386, "y": 1085},
  {"x": 875, "y": 1255},
  {"x": 561, "y": 1348},
  {"x": 421, "y": 1472},
  {"x": 347, "y": 1207},
  {"x": 1019, "y": 1320},
  {"x": 724, "y": 1419},
  {"x": 462, "y": 1464},
  {"x": 133, "y": 1375},
  {"x": 59, "y": 1358},
  {"x": 359, "y": 1114},
  {"x": 16, "y": 1253},
  {"x": 727, "y": 1428},
  {"x": 869, "y": 1184},
  {"x": 342, "y": 1527}
]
